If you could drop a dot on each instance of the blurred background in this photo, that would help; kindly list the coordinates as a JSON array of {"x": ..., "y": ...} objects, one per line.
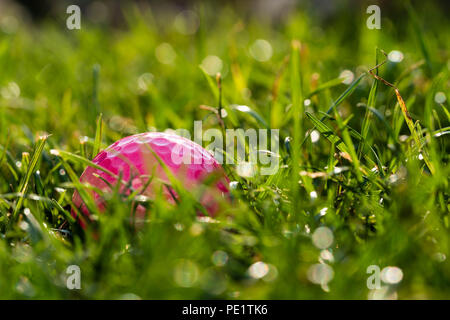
[{"x": 111, "y": 12}]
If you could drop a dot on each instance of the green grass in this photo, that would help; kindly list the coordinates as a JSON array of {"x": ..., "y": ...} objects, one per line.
[{"x": 376, "y": 178}]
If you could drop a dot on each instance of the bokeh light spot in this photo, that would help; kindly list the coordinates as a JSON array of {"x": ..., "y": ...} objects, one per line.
[{"x": 322, "y": 237}]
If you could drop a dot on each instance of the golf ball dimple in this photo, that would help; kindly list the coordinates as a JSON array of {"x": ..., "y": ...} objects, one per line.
[{"x": 132, "y": 159}]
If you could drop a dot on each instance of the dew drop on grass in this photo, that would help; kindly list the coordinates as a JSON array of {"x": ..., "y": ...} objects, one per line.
[
  {"x": 440, "y": 97},
  {"x": 327, "y": 255},
  {"x": 391, "y": 275},
  {"x": 144, "y": 81},
  {"x": 223, "y": 113},
  {"x": 178, "y": 226},
  {"x": 186, "y": 273},
  {"x": 347, "y": 76},
  {"x": 395, "y": 56},
  {"x": 258, "y": 270},
  {"x": 322, "y": 237},
  {"x": 315, "y": 136},
  {"x": 24, "y": 226},
  {"x": 307, "y": 229},
  {"x": 234, "y": 185},
  {"x": 320, "y": 273},
  {"x": 212, "y": 65},
  {"x": 323, "y": 211},
  {"x": 219, "y": 258},
  {"x": 313, "y": 195},
  {"x": 261, "y": 50}
]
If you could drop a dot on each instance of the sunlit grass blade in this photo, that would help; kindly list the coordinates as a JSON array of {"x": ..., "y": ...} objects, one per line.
[
  {"x": 338, "y": 101},
  {"x": 326, "y": 85},
  {"x": 39, "y": 148},
  {"x": 78, "y": 159},
  {"x": 297, "y": 107},
  {"x": 413, "y": 131},
  {"x": 328, "y": 133},
  {"x": 98, "y": 136},
  {"x": 368, "y": 115}
]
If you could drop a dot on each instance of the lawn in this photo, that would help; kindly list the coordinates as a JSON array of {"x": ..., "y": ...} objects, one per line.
[{"x": 361, "y": 195}]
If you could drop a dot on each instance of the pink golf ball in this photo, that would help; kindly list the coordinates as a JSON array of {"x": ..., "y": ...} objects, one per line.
[{"x": 133, "y": 159}]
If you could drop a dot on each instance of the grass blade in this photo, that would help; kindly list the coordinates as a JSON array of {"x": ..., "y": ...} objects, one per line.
[
  {"x": 31, "y": 169},
  {"x": 98, "y": 136}
]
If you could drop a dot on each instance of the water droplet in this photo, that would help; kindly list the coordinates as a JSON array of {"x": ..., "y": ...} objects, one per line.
[
  {"x": 313, "y": 195},
  {"x": 243, "y": 108},
  {"x": 307, "y": 229},
  {"x": 393, "y": 178},
  {"x": 315, "y": 136},
  {"x": 261, "y": 50},
  {"x": 212, "y": 65},
  {"x": 391, "y": 275},
  {"x": 327, "y": 255},
  {"x": 223, "y": 113},
  {"x": 440, "y": 97},
  {"x": 60, "y": 190},
  {"x": 320, "y": 273},
  {"x": 258, "y": 270},
  {"x": 234, "y": 185},
  {"x": 219, "y": 258},
  {"x": 186, "y": 273},
  {"x": 24, "y": 226},
  {"x": 178, "y": 227},
  {"x": 395, "y": 56},
  {"x": 323, "y": 237},
  {"x": 347, "y": 76},
  {"x": 144, "y": 81}
]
